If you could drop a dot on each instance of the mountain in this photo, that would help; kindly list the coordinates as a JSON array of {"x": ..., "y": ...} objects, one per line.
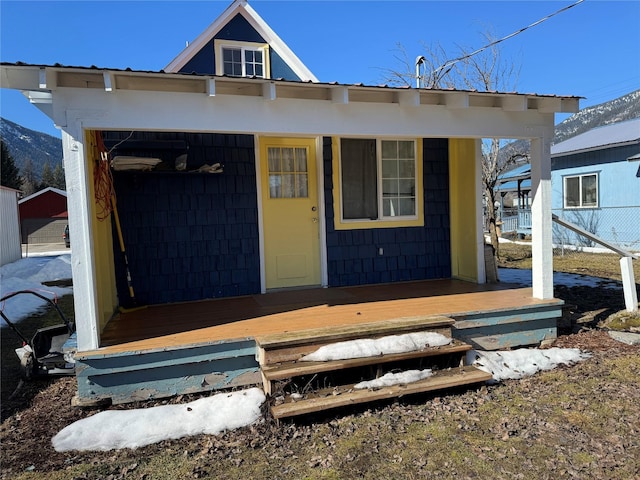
[
  {"x": 617, "y": 110},
  {"x": 613, "y": 111},
  {"x": 24, "y": 144}
]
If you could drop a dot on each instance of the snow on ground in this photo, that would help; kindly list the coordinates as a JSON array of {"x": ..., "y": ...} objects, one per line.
[
  {"x": 523, "y": 277},
  {"x": 523, "y": 362},
  {"x": 115, "y": 429},
  {"x": 30, "y": 274},
  {"x": 399, "y": 378},
  {"x": 368, "y": 347}
]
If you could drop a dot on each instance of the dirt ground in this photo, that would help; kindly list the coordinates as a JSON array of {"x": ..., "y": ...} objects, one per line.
[{"x": 519, "y": 428}]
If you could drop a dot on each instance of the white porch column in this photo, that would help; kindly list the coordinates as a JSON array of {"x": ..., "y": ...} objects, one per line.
[
  {"x": 82, "y": 266},
  {"x": 541, "y": 232}
]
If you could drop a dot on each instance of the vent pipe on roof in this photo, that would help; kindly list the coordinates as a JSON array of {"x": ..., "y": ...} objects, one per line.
[{"x": 419, "y": 61}]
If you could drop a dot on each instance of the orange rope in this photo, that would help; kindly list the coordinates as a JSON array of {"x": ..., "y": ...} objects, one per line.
[{"x": 103, "y": 181}]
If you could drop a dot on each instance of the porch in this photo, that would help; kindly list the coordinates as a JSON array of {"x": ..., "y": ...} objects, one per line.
[{"x": 164, "y": 350}]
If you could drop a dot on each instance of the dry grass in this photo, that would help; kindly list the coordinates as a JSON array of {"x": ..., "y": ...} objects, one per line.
[{"x": 603, "y": 265}]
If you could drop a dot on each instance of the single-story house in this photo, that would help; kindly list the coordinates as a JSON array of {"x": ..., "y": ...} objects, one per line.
[
  {"x": 10, "y": 250},
  {"x": 596, "y": 184},
  {"x": 43, "y": 216},
  {"x": 253, "y": 200}
]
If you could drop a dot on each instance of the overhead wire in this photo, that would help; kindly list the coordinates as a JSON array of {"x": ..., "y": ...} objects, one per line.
[{"x": 451, "y": 63}]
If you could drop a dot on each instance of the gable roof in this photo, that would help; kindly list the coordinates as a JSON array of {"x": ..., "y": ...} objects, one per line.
[
  {"x": 40, "y": 192},
  {"x": 607, "y": 136},
  {"x": 241, "y": 7}
]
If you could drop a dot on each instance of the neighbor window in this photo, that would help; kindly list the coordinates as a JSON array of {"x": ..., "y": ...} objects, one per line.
[
  {"x": 242, "y": 59},
  {"x": 581, "y": 191},
  {"x": 378, "y": 179}
]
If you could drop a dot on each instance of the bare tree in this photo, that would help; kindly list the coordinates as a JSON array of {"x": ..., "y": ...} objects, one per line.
[{"x": 483, "y": 70}]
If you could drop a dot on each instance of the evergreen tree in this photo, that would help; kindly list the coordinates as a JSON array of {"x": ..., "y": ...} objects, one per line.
[
  {"x": 59, "y": 180},
  {"x": 47, "y": 176},
  {"x": 30, "y": 183},
  {"x": 8, "y": 170}
]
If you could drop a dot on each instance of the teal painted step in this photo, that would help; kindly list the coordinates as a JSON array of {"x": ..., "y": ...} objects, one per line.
[
  {"x": 144, "y": 375},
  {"x": 499, "y": 330}
]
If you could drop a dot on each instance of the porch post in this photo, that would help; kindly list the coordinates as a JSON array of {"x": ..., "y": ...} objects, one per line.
[
  {"x": 82, "y": 266},
  {"x": 541, "y": 222}
]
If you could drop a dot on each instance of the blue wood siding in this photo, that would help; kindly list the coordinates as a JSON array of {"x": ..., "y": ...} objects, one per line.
[
  {"x": 239, "y": 30},
  {"x": 191, "y": 236},
  {"x": 409, "y": 253},
  {"x": 616, "y": 218}
]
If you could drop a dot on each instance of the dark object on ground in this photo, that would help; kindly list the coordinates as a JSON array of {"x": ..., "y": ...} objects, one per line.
[
  {"x": 66, "y": 237},
  {"x": 42, "y": 355}
]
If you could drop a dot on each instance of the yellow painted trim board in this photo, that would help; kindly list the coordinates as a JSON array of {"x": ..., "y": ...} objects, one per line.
[
  {"x": 106, "y": 294},
  {"x": 340, "y": 224},
  {"x": 462, "y": 197}
]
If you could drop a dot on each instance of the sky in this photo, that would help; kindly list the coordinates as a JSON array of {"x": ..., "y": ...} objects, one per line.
[{"x": 591, "y": 50}]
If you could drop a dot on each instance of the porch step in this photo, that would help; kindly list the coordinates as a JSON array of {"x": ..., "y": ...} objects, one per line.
[
  {"x": 346, "y": 395},
  {"x": 291, "y": 346},
  {"x": 283, "y": 373},
  {"x": 285, "y": 370}
]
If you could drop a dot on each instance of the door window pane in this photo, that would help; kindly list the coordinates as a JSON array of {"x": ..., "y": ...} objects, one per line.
[{"x": 288, "y": 176}]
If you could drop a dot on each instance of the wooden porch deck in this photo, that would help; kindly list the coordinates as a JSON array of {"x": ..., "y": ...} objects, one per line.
[
  {"x": 243, "y": 318},
  {"x": 166, "y": 350}
]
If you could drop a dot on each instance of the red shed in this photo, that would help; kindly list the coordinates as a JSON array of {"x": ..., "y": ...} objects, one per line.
[{"x": 43, "y": 216}]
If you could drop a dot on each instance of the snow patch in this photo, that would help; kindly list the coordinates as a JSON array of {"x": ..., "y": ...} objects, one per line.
[
  {"x": 400, "y": 378},
  {"x": 523, "y": 362},
  {"x": 116, "y": 429},
  {"x": 30, "y": 274},
  {"x": 367, "y": 347}
]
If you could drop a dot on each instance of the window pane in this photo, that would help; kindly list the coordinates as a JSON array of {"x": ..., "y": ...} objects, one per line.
[
  {"x": 572, "y": 192},
  {"x": 258, "y": 71},
  {"x": 275, "y": 190},
  {"x": 301, "y": 159},
  {"x": 407, "y": 188},
  {"x": 257, "y": 56},
  {"x": 274, "y": 159},
  {"x": 390, "y": 188},
  {"x": 407, "y": 168},
  {"x": 389, "y": 149},
  {"x": 405, "y": 149},
  {"x": 288, "y": 186},
  {"x": 407, "y": 206},
  {"x": 589, "y": 191},
  {"x": 390, "y": 207},
  {"x": 389, "y": 169},
  {"x": 249, "y": 70},
  {"x": 287, "y": 160},
  {"x": 359, "y": 178},
  {"x": 302, "y": 190}
]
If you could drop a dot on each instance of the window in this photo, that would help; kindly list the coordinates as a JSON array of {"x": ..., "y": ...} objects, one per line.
[
  {"x": 241, "y": 59},
  {"x": 379, "y": 181},
  {"x": 581, "y": 191},
  {"x": 288, "y": 176}
]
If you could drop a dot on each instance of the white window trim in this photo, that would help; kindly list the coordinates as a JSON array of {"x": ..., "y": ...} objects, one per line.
[
  {"x": 219, "y": 45},
  {"x": 580, "y": 176},
  {"x": 382, "y": 221}
]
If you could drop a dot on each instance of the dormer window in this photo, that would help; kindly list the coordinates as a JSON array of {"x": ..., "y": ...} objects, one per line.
[{"x": 242, "y": 59}]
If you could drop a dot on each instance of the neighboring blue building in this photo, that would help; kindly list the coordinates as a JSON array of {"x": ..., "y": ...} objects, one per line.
[{"x": 595, "y": 181}]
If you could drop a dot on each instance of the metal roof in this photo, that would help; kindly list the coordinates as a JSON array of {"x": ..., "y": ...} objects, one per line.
[
  {"x": 98, "y": 77},
  {"x": 608, "y": 136}
]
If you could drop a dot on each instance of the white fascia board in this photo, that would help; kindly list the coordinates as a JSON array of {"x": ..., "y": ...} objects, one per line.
[
  {"x": 274, "y": 41},
  {"x": 143, "y": 110}
]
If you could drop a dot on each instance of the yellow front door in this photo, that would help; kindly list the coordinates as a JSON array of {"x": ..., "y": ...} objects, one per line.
[{"x": 290, "y": 212}]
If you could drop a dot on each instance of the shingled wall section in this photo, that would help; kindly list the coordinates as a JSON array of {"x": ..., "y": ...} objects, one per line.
[{"x": 410, "y": 253}]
